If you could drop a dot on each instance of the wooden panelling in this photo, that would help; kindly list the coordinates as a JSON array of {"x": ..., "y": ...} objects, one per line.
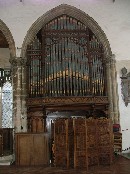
[
  {"x": 60, "y": 139},
  {"x": 92, "y": 143},
  {"x": 31, "y": 149},
  {"x": 82, "y": 142},
  {"x": 117, "y": 141},
  {"x": 6, "y": 141},
  {"x": 1, "y": 145},
  {"x": 80, "y": 150}
]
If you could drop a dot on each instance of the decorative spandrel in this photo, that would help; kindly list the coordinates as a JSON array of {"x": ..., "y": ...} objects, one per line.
[{"x": 125, "y": 86}]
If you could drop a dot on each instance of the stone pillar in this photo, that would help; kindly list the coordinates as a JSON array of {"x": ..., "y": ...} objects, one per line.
[
  {"x": 109, "y": 87},
  {"x": 114, "y": 90},
  {"x": 23, "y": 96},
  {"x": 0, "y": 107},
  {"x": 19, "y": 116}
]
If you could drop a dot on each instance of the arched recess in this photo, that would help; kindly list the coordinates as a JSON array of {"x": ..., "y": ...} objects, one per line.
[
  {"x": 73, "y": 12},
  {"x": 5, "y": 30},
  {"x": 9, "y": 44},
  {"x": 96, "y": 29}
]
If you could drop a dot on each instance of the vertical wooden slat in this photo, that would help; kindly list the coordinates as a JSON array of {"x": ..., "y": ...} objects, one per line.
[
  {"x": 67, "y": 143},
  {"x": 75, "y": 162},
  {"x": 86, "y": 143}
]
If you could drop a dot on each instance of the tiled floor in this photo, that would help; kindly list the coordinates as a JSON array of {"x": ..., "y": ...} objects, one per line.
[{"x": 120, "y": 166}]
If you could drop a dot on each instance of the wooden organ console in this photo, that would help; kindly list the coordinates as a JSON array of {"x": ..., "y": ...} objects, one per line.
[{"x": 66, "y": 71}]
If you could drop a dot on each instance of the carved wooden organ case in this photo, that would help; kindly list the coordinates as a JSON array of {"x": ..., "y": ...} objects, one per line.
[{"x": 66, "y": 71}]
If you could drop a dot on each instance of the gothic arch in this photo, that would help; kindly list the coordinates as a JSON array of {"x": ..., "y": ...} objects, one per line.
[
  {"x": 96, "y": 29},
  {"x": 73, "y": 12},
  {"x": 9, "y": 38},
  {"x": 5, "y": 30}
]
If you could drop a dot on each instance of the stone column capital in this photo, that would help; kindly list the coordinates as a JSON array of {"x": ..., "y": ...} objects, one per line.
[
  {"x": 110, "y": 60},
  {"x": 18, "y": 61},
  {"x": 113, "y": 59}
]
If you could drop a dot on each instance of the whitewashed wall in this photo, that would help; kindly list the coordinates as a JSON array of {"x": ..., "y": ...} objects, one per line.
[
  {"x": 124, "y": 111},
  {"x": 113, "y": 18}
]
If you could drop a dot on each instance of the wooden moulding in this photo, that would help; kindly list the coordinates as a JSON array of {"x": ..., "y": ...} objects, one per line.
[{"x": 66, "y": 101}]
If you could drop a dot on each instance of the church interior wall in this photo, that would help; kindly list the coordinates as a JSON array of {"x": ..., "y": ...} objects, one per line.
[
  {"x": 124, "y": 111},
  {"x": 112, "y": 17}
]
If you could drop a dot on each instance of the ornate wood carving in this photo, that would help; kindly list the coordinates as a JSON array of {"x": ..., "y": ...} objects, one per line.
[
  {"x": 92, "y": 142},
  {"x": 66, "y": 101}
]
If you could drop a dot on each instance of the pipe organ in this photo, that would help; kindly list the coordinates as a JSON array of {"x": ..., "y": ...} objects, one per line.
[
  {"x": 66, "y": 66},
  {"x": 67, "y": 60}
]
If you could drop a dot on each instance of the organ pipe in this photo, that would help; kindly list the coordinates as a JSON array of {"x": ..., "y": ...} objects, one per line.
[{"x": 69, "y": 63}]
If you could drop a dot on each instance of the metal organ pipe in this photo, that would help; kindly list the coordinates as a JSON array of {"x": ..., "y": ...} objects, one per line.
[{"x": 70, "y": 63}]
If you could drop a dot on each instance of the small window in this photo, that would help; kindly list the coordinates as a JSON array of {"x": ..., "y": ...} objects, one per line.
[{"x": 7, "y": 105}]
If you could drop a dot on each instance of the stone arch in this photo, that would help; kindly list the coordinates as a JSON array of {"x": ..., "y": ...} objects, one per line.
[
  {"x": 96, "y": 29},
  {"x": 5, "y": 30},
  {"x": 73, "y": 12},
  {"x": 9, "y": 38}
]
